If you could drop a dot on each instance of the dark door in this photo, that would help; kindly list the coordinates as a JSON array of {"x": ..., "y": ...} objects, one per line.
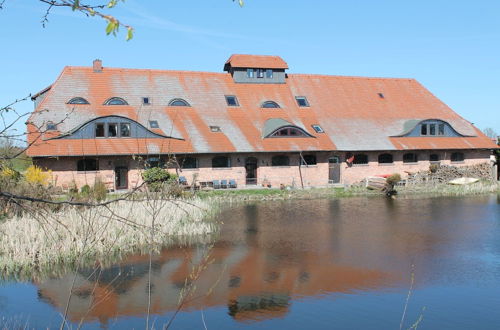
[
  {"x": 121, "y": 177},
  {"x": 334, "y": 170},
  {"x": 251, "y": 170}
]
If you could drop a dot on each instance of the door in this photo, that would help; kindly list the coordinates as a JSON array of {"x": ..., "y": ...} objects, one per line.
[
  {"x": 334, "y": 169},
  {"x": 121, "y": 177},
  {"x": 251, "y": 170}
]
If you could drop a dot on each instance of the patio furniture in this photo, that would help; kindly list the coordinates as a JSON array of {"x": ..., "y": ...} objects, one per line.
[
  {"x": 216, "y": 184},
  {"x": 232, "y": 183},
  {"x": 183, "y": 181},
  {"x": 223, "y": 184}
]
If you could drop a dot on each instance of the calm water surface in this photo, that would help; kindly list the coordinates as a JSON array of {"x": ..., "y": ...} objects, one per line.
[{"x": 318, "y": 264}]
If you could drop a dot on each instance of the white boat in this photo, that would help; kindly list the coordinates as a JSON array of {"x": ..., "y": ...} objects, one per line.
[{"x": 463, "y": 181}]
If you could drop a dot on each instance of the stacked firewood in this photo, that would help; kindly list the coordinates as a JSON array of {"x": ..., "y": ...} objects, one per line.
[{"x": 445, "y": 173}]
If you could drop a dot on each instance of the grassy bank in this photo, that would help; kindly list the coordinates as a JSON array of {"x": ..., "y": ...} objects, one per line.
[{"x": 40, "y": 241}]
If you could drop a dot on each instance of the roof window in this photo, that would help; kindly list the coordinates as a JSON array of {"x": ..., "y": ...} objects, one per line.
[
  {"x": 215, "y": 129},
  {"x": 116, "y": 101},
  {"x": 302, "y": 101},
  {"x": 154, "y": 124},
  {"x": 270, "y": 104},
  {"x": 232, "y": 101},
  {"x": 289, "y": 131},
  {"x": 317, "y": 128},
  {"x": 178, "y": 103},
  {"x": 381, "y": 95},
  {"x": 78, "y": 100},
  {"x": 146, "y": 101},
  {"x": 51, "y": 126}
]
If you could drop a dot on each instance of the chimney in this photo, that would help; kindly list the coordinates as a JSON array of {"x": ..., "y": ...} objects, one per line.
[{"x": 97, "y": 64}]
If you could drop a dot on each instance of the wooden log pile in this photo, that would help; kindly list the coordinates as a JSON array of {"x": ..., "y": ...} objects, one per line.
[{"x": 445, "y": 173}]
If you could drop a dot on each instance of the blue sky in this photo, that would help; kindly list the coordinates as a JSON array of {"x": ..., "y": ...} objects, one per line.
[{"x": 451, "y": 47}]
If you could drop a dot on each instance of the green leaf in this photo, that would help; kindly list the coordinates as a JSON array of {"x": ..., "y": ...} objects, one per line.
[
  {"x": 110, "y": 27},
  {"x": 76, "y": 4},
  {"x": 130, "y": 34}
]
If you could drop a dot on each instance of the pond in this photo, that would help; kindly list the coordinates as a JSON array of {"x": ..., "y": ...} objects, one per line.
[{"x": 322, "y": 264}]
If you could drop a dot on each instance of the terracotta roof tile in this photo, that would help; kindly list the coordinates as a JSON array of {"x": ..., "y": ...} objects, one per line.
[{"x": 256, "y": 61}]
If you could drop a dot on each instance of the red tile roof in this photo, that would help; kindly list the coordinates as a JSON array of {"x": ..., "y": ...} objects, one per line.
[
  {"x": 352, "y": 115},
  {"x": 256, "y": 61}
]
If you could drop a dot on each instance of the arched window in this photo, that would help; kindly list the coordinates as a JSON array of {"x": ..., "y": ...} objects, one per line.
[
  {"x": 457, "y": 157},
  {"x": 178, "y": 103},
  {"x": 434, "y": 158},
  {"x": 360, "y": 159},
  {"x": 280, "y": 161},
  {"x": 410, "y": 158},
  {"x": 270, "y": 104},
  {"x": 78, "y": 100},
  {"x": 188, "y": 162},
  {"x": 308, "y": 160},
  {"x": 384, "y": 159},
  {"x": 88, "y": 164},
  {"x": 289, "y": 131},
  {"x": 221, "y": 161},
  {"x": 116, "y": 101}
]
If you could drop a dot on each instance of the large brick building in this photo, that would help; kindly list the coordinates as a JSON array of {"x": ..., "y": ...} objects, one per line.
[{"x": 254, "y": 123}]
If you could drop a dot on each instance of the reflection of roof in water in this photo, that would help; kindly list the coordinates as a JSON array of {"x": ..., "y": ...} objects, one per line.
[{"x": 256, "y": 308}]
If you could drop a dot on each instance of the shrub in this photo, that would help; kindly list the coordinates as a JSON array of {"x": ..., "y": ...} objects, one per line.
[
  {"x": 85, "y": 190},
  {"x": 155, "y": 177},
  {"x": 99, "y": 190},
  {"x": 433, "y": 168},
  {"x": 35, "y": 175},
  {"x": 393, "y": 179}
]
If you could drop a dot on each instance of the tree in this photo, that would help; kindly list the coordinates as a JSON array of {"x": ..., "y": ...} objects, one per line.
[{"x": 490, "y": 132}]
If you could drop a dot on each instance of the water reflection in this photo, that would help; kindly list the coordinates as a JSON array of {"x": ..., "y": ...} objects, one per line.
[{"x": 270, "y": 254}]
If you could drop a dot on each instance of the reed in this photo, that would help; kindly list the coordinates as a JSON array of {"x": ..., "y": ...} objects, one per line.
[{"x": 42, "y": 240}]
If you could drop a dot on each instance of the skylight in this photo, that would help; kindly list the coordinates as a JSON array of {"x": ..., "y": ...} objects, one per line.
[
  {"x": 154, "y": 124},
  {"x": 318, "y": 128},
  {"x": 231, "y": 101},
  {"x": 302, "y": 101}
]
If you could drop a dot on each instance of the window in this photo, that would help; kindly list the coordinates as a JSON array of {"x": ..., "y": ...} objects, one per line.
[
  {"x": 99, "y": 130},
  {"x": 432, "y": 129},
  {"x": 440, "y": 129},
  {"x": 153, "y": 124},
  {"x": 457, "y": 157},
  {"x": 423, "y": 129},
  {"x": 269, "y": 73},
  {"x": 250, "y": 73},
  {"x": 381, "y": 95},
  {"x": 231, "y": 101},
  {"x": 215, "y": 129},
  {"x": 270, "y": 104},
  {"x": 360, "y": 159},
  {"x": 188, "y": 162},
  {"x": 280, "y": 161},
  {"x": 384, "y": 159},
  {"x": 124, "y": 129},
  {"x": 78, "y": 100},
  {"x": 154, "y": 162},
  {"x": 308, "y": 160},
  {"x": 302, "y": 101},
  {"x": 221, "y": 161},
  {"x": 317, "y": 128},
  {"x": 116, "y": 101},
  {"x": 434, "y": 158},
  {"x": 87, "y": 165},
  {"x": 51, "y": 126},
  {"x": 112, "y": 130},
  {"x": 289, "y": 131},
  {"x": 260, "y": 73},
  {"x": 145, "y": 101},
  {"x": 410, "y": 158},
  {"x": 178, "y": 103}
]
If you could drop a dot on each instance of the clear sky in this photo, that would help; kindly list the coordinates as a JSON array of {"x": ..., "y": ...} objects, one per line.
[{"x": 451, "y": 47}]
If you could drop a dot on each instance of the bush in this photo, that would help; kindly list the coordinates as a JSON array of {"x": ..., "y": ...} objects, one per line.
[
  {"x": 99, "y": 190},
  {"x": 393, "y": 179},
  {"x": 155, "y": 177},
  {"x": 35, "y": 175},
  {"x": 85, "y": 190},
  {"x": 9, "y": 174},
  {"x": 433, "y": 168}
]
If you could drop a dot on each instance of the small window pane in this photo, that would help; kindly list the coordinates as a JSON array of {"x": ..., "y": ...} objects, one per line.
[
  {"x": 269, "y": 73},
  {"x": 215, "y": 129},
  {"x": 302, "y": 101},
  {"x": 51, "y": 126},
  {"x": 231, "y": 101},
  {"x": 221, "y": 161},
  {"x": 188, "y": 162},
  {"x": 260, "y": 73},
  {"x": 432, "y": 129},
  {"x": 99, "y": 130},
  {"x": 78, "y": 100},
  {"x": 153, "y": 124},
  {"x": 280, "y": 161},
  {"x": 423, "y": 129},
  {"x": 124, "y": 129},
  {"x": 318, "y": 129},
  {"x": 385, "y": 159},
  {"x": 87, "y": 165},
  {"x": 434, "y": 158},
  {"x": 360, "y": 159},
  {"x": 145, "y": 100},
  {"x": 250, "y": 73},
  {"x": 178, "y": 103},
  {"x": 410, "y": 158},
  {"x": 308, "y": 160},
  {"x": 270, "y": 104},
  {"x": 441, "y": 129},
  {"x": 112, "y": 130},
  {"x": 457, "y": 157},
  {"x": 116, "y": 101}
]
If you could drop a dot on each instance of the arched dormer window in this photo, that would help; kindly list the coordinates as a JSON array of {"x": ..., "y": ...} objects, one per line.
[
  {"x": 385, "y": 159},
  {"x": 116, "y": 101},
  {"x": 178, "y": 103},
  {"x": 270, "y": 104},
  {"x": 288, "y": 131},
  {"x": 78, "y": 100}
]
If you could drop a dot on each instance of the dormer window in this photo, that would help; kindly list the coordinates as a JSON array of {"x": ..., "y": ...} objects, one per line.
[
  {"x": 289, "y": 131},
  {"x": 215, "y": 129},
  {"x": 270, "y": 104},
  {"x": 301, "y": 101},
  {"x": 250, "y": 73},
  {"x": 178, "y": 103},
  {"x": 269, "y": 73},
  {"x": 51, "y": 126},
  {"x": 146, "y": 101},
  {"x": 317, "y": 128},
  {"x": 116, "y": 101},
  {"x": 78, "y": 100},
  {"x": 154, "y": 124},
  {"x": 232, "y": 101},
  {"x": 260, "y": 73}
]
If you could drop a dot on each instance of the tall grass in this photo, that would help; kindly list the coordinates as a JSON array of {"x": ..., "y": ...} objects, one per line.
[{"x": 40, "y": 241}]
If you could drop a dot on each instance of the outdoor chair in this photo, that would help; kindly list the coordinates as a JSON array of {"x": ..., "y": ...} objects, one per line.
[
  {"x": 183, "y": 180},
  {"x": 223, "y": 184},
  {"x": 216, "y": 184},
  {"x": 232, "y": 183}
]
